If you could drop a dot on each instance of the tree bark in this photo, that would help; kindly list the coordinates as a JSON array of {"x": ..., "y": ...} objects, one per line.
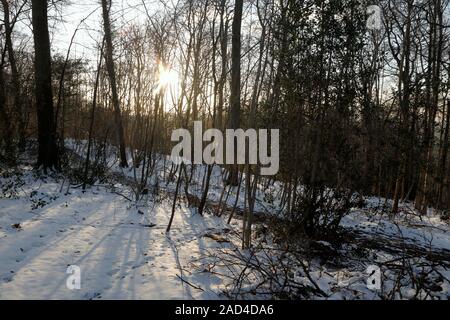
[
  {"x": 48, "y": 157},
  {"x": 235, "y": 98},
  {"x": 18, "y": 104},
  {"x": 5, "y": 123},
  {"x": 112, "y": 78},
  {"x": 91, "y": 123}
]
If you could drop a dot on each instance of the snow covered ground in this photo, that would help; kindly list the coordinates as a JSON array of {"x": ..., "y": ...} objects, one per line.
[{"x": 124, "y": 252}]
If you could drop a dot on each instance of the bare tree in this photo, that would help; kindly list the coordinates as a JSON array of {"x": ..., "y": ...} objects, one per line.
[
  {"x": 16, "y": 89},
  {"x": 235, "y": 97},
  {"x": 113, "y": 83},
  {"x": 48, "y": 156}
]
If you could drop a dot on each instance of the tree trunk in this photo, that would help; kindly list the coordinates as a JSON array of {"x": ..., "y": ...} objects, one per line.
[
  {"x": 205, "y": 190},
  {"x": 5, "y": 123},
  {"x": 14, "y": 75},
  {"x": 112, "y": 78},
  {"x": 91, "y": 123},
  {"x": 223, "y": 76},
  {"x": 48, "y": 152},
  {"x": 443, "y": 161},
  {"x": 235, "y": 98}
]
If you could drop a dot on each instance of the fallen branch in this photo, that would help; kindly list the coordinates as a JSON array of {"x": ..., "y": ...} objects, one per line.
[{"x": 189, "y": 284}]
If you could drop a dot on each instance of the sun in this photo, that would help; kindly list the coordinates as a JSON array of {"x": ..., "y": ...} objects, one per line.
[{"x": 167, "y": 78}]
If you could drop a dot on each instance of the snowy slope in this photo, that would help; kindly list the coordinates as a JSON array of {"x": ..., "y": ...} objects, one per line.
[
  {"x": 124, "y": 252},
  {"x": 120, "y": 254}
]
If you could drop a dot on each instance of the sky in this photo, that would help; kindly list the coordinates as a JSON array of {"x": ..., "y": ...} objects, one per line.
[{"x": 90, "y": 31}]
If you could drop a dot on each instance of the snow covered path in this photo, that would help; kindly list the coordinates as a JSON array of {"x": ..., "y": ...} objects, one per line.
[{"x": 120, "y": 255}]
